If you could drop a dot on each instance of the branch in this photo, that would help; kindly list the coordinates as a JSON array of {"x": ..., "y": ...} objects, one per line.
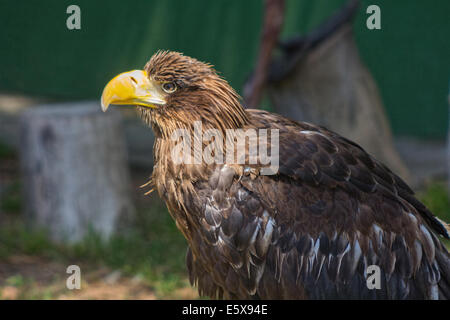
[
  {"x": 272, "y": 24},
  {"x": 295, "y": 48}
]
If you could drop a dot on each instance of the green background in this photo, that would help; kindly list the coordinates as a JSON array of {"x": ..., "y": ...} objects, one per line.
[{"x": 409, "y": 56}]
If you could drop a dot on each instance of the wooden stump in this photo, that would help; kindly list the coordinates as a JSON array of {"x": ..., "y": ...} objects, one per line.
[
  {"x": 328, "y": 84},
  {"x": 74, "y": 170}
]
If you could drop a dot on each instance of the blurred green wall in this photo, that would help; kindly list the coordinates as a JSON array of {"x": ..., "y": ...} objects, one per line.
[{"x": 409, "y": 57}]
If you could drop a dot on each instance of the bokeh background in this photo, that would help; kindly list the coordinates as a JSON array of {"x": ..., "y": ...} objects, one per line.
[
  {"x": 41, "y": 61},
  {"x": 40, "y": 56}
]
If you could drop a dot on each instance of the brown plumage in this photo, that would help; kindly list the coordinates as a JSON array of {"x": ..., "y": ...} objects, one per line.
[{"x": 308, "y": 232}]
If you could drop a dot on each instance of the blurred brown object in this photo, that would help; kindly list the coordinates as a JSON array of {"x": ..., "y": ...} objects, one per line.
[
  {"x": 448, "y": 146},
  {"x": 74, "y": 170},
  {"x": 271, "y": 28}
]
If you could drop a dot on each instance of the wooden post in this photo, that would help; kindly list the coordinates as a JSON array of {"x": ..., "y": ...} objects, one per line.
[
  {"x": 74, "y": 170},
  {"x": 271, "y": 29},
  {"x": 320, "y": 78},
  {"x": 331, "y": 86}
]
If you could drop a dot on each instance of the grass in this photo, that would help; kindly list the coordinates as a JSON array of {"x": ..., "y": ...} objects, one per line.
[
  {"x": 11, "y": 200},
  {"x": 436, "y": 198},
  {"x": 6, "y": 151},
  {"x": 154, "y": 249},
  {"x": 15, "y": 281}
]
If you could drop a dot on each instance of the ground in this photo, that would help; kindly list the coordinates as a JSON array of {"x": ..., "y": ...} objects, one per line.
[{"x": 36, "y": 277}]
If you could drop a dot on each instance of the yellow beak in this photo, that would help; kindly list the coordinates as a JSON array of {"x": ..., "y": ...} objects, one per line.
[{"x": 132, "y": 88}]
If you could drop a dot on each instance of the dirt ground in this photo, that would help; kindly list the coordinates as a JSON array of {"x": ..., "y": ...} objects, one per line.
[{"x": 31, "y": 277}]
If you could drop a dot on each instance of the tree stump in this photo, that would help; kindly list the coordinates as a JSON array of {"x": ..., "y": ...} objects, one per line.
[
  {"x": 74, "y": 170},
  {"x": 328, "y": 84}
]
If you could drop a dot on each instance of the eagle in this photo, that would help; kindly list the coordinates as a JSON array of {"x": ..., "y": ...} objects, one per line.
[{"x": 329, "y": 222}]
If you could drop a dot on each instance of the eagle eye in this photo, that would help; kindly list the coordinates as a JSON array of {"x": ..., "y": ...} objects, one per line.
[{"x": 169, "y": 87}]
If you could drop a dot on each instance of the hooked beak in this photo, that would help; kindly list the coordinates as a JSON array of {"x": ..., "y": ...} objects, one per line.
[{"x": 132, "y": 88}]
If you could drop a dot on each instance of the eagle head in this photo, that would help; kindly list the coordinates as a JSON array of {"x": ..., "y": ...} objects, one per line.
[{"x": 173, "y": 91}]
